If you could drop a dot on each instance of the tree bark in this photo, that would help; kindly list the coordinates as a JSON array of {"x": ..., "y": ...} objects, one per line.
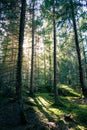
[
  {"x": 19, "y": 62},
  {"x": 32, "y": 54},
  {"x": 84, "y": 90},
  {"x": 20, "y": 51}
]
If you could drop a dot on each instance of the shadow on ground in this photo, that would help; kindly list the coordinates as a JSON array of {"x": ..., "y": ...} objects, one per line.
[{"x": 10, "y": 118}]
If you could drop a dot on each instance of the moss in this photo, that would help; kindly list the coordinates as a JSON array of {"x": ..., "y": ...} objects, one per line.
[
  {"x": 68, "y": 104},
  {"x": 65, "y": 90},
  {"x": 81, "y": 115}
]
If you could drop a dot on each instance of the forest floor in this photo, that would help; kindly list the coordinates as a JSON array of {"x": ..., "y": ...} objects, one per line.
[{"x": 42, "y": 114}]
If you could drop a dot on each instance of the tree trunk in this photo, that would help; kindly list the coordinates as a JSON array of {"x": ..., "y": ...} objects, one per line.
[
  {"x": 32, "y": 54},
  {"x": 19, "y": 62},
  {"x": 50, "y": 64},
  {"x": 84, "y": 56},
  {"x": 85, "y": 62},
  {"x": 78, "y": 51},
  {"x": 20, "y": 50},
  {"x": 44, "y": 67},
  {"x": 54, "y": 34}
]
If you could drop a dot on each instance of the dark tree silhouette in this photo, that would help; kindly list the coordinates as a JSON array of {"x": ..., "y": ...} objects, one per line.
[
  {"x": 20, "y": 50},
  {"x": 32, "y": 54}
]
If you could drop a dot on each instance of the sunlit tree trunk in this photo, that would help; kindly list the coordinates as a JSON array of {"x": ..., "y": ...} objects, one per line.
[
  {"x": 78, "y": 51},
  {"x": 54, "y": 34},
  {"x": 44, "y": 67},
  {"x": 50, "y": 67}
]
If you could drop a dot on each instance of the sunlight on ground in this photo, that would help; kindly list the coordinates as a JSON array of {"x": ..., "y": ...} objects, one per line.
[
  {"x": 83, "y": 106},
  {"x": 70, "y": 98},
  {"x": 43, "y": 104},
  {"x": 69, "y": 89},
  {"x": 47, "y": 107},
  {"x": 56, "y": 111},
  {"x": 78, "y": 127},
  {"x": 31, "y": 100}
]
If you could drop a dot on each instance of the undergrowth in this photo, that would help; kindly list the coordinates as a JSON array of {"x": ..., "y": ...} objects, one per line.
[{"x": 71, "y": 110}]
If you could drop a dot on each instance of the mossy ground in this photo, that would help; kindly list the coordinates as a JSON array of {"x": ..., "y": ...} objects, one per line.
[
  {"x": 71, "y": 110},
  {"x": 69, "y": 114}
]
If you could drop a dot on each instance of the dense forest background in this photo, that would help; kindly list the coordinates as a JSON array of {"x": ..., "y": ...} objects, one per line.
[{"x": 43, "y": 54}]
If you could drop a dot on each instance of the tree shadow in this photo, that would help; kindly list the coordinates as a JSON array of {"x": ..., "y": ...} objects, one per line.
[
  {"x": 10, "y": 118},
  {"x": 34, "y": 121},
  {"x": 74, "y": 114},
  {"x": 42, "y": 108}
]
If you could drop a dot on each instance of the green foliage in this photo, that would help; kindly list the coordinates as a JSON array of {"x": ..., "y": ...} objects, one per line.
[
  {"x": 38, "y": 22},
  {"x": 81, "y": 115},
  {"x": 49, "y": 87},
  {"x": 7, "y": 91},
  {"x": 69, "y": 106},
  {"x": 83, "y": 27},
  {"x": 71, "y": 112}
]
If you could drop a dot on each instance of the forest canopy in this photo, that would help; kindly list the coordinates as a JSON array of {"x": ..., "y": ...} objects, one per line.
[{"x": 43, "y": 49}]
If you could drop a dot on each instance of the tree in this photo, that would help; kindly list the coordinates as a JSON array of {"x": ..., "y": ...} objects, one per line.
[
  {"x": 19, "y": 61},
  {"x": 54, "y": 33},
  {"x": 20, "y": 50},
  {"x": 32, "y": 53},
  {"x": 9, "y": 21},
  {"x": 84, "y": 90}
]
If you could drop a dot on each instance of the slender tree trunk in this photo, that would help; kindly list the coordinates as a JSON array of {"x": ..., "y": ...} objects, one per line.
[
  {"x": 85, "y": 62},
  {"x": 78, "y": 51},
  {"x": 20, "y": 50},
  {"x": 19, "y": 62},
  {"x": 50, "y": 62},
  {"x": 28, "y": 67},
  {"x": 32, "y": 54},
  {"x": 38, "y": 62},
  {"x": 54, "y": 34},
  {"x": 84, "y": 57},
  {"x": 44, "y": 67},
  {"x": 35, "y": 67}
]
